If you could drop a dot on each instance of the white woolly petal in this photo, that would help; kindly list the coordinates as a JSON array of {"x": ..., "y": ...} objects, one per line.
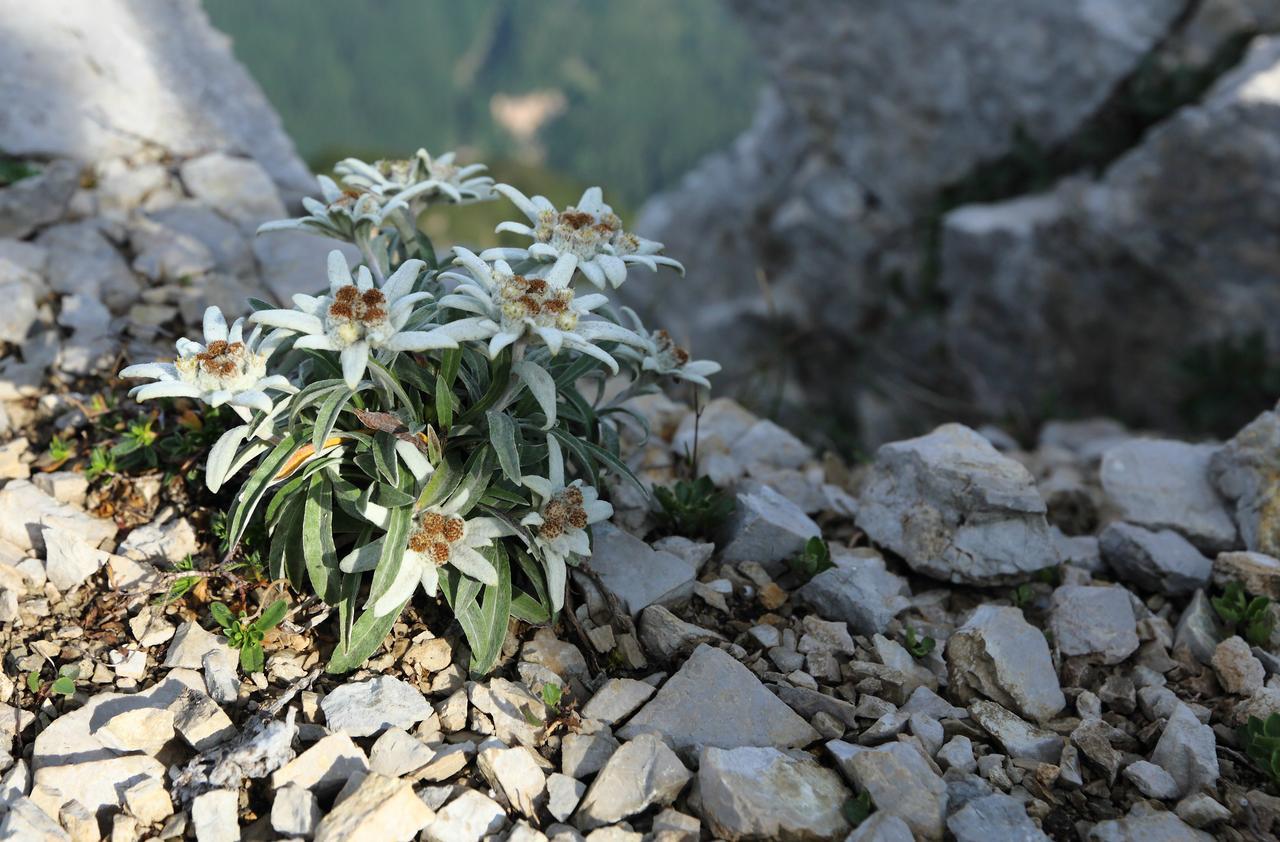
[
  {"x": 252, "y": 399},
  {"x": 401, "y": 281},
  {"x": 556, "y": 576},
  {"x": 215, "y": 325},
  {"x": 363, "y": 558},
  {"x": 430, "y": 579},
  {"x": 474, "y": 565},
  {"x": 339, "y": 272},
  {"x": 288, "y": 319},
  {"x": 402, "y": 587},
  {"x": 518, "y": 199},
  {"x": 159, "y": 371},
  {"x": 315, "y": 342},
  {"x": 592, "y": 272},
  {"x": 614, "y": 269},
  {"x": 165, "y": 389},
  {"x": 354, "y": 359}
]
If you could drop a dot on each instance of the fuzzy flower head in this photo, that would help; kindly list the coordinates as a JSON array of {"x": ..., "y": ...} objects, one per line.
[
  {"x": 420, "y": 178},
  {"x": 661, "y": 355},
  {"x": 590, "y": 231},
  {"x": 560, "y": 520},
  {"x": 345, "y": 214},
  {"x": 440, "y": 536},
  {"x": 357, "y": 317},
  {"x": 541, "y": 305},
  {"x": 225, "y": 368}
]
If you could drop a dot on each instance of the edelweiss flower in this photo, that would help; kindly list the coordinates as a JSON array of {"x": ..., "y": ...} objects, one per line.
[
  {"x": 225, "y": 369},
  {"x": 420, "y": 177},
  {"x": 340, "y": 215},
  {"x": 664, "y": 357},
  {"x": 591, "y": 231},
  {"x": 561, "y": 520},
  {"x": 356, "y": 317},
  {"x": 439, "y": 536},
  {"x": 546, "y": 307}
]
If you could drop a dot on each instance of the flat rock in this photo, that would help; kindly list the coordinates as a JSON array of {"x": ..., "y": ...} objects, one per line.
[
  {"x": 1163, "y": 484},
  {"x": 582, "y": 755},
  {"x": 1162, "y": 562},
  {"x": 84, "y": 262},
  {"x": 366, "y": 708},
  {"x": 997, "y": 654},
  {"x": 468, "y": 818},
  {"x": 1155, "y": 825},
  {"x": 881, "y": 827},
  {"x": 38, "y": 199},
  {"x": 642, "y": 773},
  {"x": 1238, "y": 671},
  {"x": 324, "y": 767},
  {"x": 858, "y": 590},
  {"x": 763, "y": 793},
  {"x": 715, "y": 701},
  {"x": 69, "y": 559},
  {"x": 1089, "y": 620},
  {"x": 956, "y": 509},
  {"x": 238, "y": 188},
  {"x": 617, "y": 699},
  {"x": 563, "y": 795},
  {"x": 901, "y": 782},
  {"x": 1258, "y": 572},
  {"x": 1244, "y": 471},
  {"x": 25, "y": 512},
  {"x": 1019, "y": 738},
  {"x": 667, "y": 637},
  {"x": 381, "y": 809},
  {"x": 294, "y": 811},
  {"x": 766, "y": 528},
  {"x": 397, "y": 753},
  {"x": 99, "y": 785},
  {"x": 994, "y": 818},
  {"x": 1187, "y": 750},
  {"x": 1151, "y": 780},
  {"x": 638, "y": 574},
  {"x": 191, "y": 643}
]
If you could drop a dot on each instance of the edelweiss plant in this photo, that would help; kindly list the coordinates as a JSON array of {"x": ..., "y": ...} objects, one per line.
[{"x": 425, "y": 423}]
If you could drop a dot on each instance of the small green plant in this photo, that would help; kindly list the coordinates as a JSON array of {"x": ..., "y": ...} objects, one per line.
[
  {"x": 136, "y": 448},
  {"x": 64, "y": 684},
  {"x": 59, "y": 450},
  {"x": 552, "y": 695},
  {"x": 1022, "y": 595},
  {"x": 183, "y": 584},
  {"x": 812, "y": 560},
  {"x": 919, "y": 646},
  {"x": 857, "y": 809},
  {"x": 246, "y": 635},
  {"x": 101, "y": 464},
  {"x": 12, "y": 170},
  {"x": 694, "y": 508},
  {"x": 1260, "y": 740},
  {"x": 1251, "y": 618}
]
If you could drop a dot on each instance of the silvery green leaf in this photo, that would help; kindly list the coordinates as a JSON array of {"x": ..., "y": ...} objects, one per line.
[
  {"x": 502, "y": 435},
  {"x": 541, "y": 385},
  {"x": 221, "y": 456}
]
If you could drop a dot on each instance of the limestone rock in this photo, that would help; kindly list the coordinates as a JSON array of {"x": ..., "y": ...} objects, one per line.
[
  {"x": 366, "y": 708},
  {"x": 1018, "y": 737},
  {"x": 901, "y": 783},
  {"x": 1245, "y": 472},
  {"x": 1187, "y": 750},
  {"x": 1093, "y": 621},
  {"x": 294, "y": 812},
  {"x": 1163, "y": 562},
  {"x": 715, "y": 701},
  {"x": 642, "y": 773},
  {"x": 25, "y": 512},
  {"x": 1257, "y": 572},
  {"x": 37, "y": 199},
  {"x": 994, "y": 817},
  {"x": 765, "y": 793},
  {"x": 638, "y": 574},
  {"x": 667, "y": 637},
  {"x": 1163, "y": 484},
  {"x": 858, "y": 590},
  {"x": 381, "y": 809},
  {"x": 324, "y": 767},
  {"x": 120, "y": 82},
  {"x": 766, "y": 528},
  {"x": 956, "y": 509},
  {"x": 468, "y": 818},
  {"x": 999, "y": 655}
]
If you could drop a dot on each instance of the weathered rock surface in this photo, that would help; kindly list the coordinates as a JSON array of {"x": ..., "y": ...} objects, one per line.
[
  {"x": 638, "y": 574},
  {"x": 370, "y": 707},
  {"x": 1246, "y": 471},
  {"x": 1000, "y": 656},
  {"x": 1162, "y": 562},
  {"x": 77, "y": 87},
  {"x": 901, "y": 783},
  {"x": 715, "y": 701},
  {"x": 956, "y": 509},
  {"x": 642, "y": 773},
  {"x": 763, "y": 793},
  {"x": 1093, "y": 621},
  {"x": 858, "y": 590}
]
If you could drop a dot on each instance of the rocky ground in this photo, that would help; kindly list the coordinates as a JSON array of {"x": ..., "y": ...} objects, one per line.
[{"x": 1081, "y": 686}]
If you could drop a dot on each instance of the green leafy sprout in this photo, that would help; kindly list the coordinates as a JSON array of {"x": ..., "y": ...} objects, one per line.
[
  {"x": 694, "y": 508},
  {"x": 919, "y": 647},
  {"x": 552, "y": 695},
  {"x": 1251, "y": 618},
  {"x": 246, "y": 635},
  {"x": 857, "y": 809},
  {"x": 812, "y": 560},
  {"x": 63, "y": 684},
  {"x": 426, "y": 422},
  {"x": 1260, "y": 740}
]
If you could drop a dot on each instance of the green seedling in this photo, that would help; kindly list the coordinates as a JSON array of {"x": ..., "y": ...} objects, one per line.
[
  {"x": 1260, "y": 740},
  {"x": 693, "y": 508},
  {"x": 919, "y": 646},
  {"x": 1251, "y": 618},
  {"x": 857, "y": 809},
  {"x": 246, "y": 635},
  {"x": 64, "y": 684},
  {"x": 812, "y": 560}
]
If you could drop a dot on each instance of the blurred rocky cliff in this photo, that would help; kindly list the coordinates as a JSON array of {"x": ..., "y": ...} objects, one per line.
[{"x": 992, "y": 209}]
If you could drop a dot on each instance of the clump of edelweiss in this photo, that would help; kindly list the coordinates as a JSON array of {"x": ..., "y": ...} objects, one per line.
[{"x": 418, "y": 427}]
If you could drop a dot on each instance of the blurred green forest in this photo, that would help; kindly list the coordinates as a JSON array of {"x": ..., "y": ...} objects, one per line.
[{"x": 628, "y": 94}]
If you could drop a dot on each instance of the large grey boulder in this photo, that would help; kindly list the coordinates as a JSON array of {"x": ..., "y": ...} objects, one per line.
[
  {"x": 956, "y": 509},
  {"x": 131, "y": 75},
  {"x": 1162, "y": 484}
]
